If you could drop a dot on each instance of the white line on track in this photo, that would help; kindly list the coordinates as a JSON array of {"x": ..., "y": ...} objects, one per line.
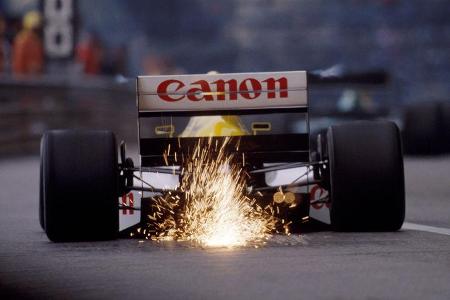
[{"x": 413, "y": 226}]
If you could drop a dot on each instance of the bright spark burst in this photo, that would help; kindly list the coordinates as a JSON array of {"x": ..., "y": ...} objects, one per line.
[{"x": 212, "y": 207}]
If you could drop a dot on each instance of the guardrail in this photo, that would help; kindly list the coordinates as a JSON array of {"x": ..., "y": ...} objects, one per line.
[{"x": 29, "y": 106}]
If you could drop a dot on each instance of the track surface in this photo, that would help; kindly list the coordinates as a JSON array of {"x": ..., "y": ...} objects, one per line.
[{"x": 408, "y": 264}]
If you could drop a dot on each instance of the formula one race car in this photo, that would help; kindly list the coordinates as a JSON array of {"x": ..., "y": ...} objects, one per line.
[
  {"x": 341, "y": 96},
  {"x": 352, "y": 181}
]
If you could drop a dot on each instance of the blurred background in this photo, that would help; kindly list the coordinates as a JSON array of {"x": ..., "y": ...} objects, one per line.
[{"x": 72, "y": 63}]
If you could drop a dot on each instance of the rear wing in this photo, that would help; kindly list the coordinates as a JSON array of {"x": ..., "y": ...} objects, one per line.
[{"x": 225, "y": 94}]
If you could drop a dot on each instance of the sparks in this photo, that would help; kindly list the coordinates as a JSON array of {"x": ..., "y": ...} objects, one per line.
[{"x": 216, "y": 212}]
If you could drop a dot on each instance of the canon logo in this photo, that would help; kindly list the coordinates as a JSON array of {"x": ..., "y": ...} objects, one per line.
[{"x": 249, "y": 88}]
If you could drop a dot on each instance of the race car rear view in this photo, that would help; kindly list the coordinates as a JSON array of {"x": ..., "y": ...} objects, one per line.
[{"x": 353, "y": 180}]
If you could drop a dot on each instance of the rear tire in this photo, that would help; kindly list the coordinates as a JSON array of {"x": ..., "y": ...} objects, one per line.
[
  {"x": 366, "y": 177},
  {"x": 79, "y": 185},
  {"x": 41, "y": 196}
]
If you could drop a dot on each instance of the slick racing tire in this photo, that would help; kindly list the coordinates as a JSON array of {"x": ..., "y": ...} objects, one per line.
[
  {"x": 367, "y": 186},
  {"x": 423, "y": 131},
  {"x": 79, "y": 185},
  {"x": 41, "y": 197}
]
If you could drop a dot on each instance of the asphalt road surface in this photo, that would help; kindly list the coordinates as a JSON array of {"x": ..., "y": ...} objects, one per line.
[{"x": 413, "y": 263}]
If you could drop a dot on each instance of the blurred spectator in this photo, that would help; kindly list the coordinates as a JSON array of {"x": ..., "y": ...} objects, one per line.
[
  {"x": 28, "y": 53},
  {"x": 160, "y": 65},
  {"x": 4, "y": 46},
  {"x": 90, "y": 53},
  {"x": 114, "y": 62},
  {"x": 120, "y": 59},
  {"x": 153, "y": 65}
]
